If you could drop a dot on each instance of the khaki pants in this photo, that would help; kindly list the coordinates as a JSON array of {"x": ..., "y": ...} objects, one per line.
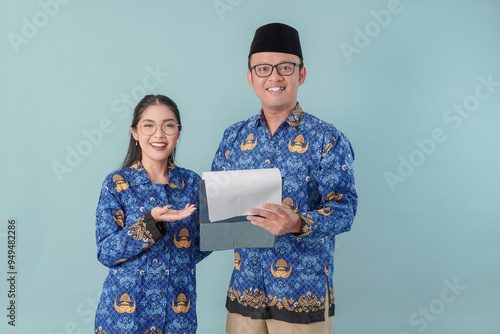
[{"x": 238, "y": 324}]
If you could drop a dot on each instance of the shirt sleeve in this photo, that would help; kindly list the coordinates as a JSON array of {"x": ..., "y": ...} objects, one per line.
[
  {"x": 118, "y": 237},
  {"x": 336, "y": 187},
  {"x": 220, "y": 161}
]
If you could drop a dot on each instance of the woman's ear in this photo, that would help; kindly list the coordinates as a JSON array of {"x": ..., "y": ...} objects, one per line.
[{"x": 134, "y": 133}]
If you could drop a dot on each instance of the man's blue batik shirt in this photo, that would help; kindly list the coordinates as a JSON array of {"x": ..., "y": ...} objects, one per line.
[
  {"x": 290, "y": 281},
  {"x": 150, "y": 287}
]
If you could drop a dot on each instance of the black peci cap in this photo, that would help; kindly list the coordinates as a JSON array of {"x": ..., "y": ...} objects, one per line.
[{"x": 276, "y": 37}]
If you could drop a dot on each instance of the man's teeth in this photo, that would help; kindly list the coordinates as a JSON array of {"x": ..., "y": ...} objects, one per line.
[
  {"x": 275, "y": 89},
  {"x": 158, "y": 144}
]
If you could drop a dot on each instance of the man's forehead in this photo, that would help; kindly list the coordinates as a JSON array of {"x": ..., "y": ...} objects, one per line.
[{"x": 273, "y": 57}]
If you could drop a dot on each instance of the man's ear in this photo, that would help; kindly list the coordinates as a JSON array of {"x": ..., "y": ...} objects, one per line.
[
  {"x": 250, "y": 78},
  {"x": 302, "y": 75}
]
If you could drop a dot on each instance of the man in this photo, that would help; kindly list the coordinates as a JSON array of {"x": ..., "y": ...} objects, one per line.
[{"x": 288, "y": 288}]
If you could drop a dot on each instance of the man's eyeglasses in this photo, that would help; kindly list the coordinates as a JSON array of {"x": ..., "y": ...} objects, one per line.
[
  {"x": 265, "y": 70},
  {"x": 148, "y": 128}
]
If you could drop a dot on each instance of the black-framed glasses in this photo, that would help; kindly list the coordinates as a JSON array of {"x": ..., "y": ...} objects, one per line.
[
  {"x": 265, "y": 70},
  {"x": 148, "y": 128}
]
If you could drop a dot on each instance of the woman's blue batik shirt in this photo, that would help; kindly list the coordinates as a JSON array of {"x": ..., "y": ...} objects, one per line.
[
  {"x": 150, "y": 287},
  {"x": 290, "y": 281}
]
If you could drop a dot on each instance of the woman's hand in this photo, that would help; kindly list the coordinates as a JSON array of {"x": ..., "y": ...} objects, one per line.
[{"x": 166, "y": 214}]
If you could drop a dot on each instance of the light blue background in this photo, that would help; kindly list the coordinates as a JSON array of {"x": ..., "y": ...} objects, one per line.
[{"x": 409, "y": 242}]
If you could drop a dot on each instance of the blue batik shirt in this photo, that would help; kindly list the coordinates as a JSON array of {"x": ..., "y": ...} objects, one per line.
[
  {"x": 290, "y": 281},
  {"x": 150, "y": 287}
]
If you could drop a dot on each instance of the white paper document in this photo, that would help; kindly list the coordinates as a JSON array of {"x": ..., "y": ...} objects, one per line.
[{"x": 233, "y": 193}]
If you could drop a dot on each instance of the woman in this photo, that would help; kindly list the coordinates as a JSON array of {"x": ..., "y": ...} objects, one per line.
[{"x": 146, "y": 231}]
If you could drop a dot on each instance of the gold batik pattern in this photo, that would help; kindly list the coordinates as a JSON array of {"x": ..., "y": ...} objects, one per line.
[
  {"x": 254, "y": 299},
  {"x": 118, "y": 217},
  {"x": 307, "y": 226},
  {"x": 248, "y": 143},
  {"x": 125, "y": 304},
  {"x": 325, "y": 211},
  {"x": 295, "y": 118},
  {"x": 288, "y": 202},
  {"x": 328, "y": 147},
  {"x": 181, "y": 306},
  {"x": 184, "y": 239},
  {"x": 307, "y": 302},
  {"x": 237, "y": 261},
  {"x": 121, "y": 184},
  {"x": 300, "y": 144},
  {"x": 332, "y": 197},
  {"x": 282, "y": 270},
  {"x": 332, "y": 296},
  {"x": 139, "y": 232},
  {"x": 174, "y": 186},
  {"x": 137, "y": 166}
]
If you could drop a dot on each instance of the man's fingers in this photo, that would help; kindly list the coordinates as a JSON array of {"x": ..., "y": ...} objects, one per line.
[
  {"x": 264, "y": 213},
  {"x": 279, "y": 208},
  {"x": 260, "y": 220},
  {"x": 276, "y": 208},
  {"x": 266, "y": 224},
  {"x": 278, "y": 221}
]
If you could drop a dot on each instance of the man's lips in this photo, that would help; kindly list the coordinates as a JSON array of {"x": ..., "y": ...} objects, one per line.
[{"x": 275, "y": 89}]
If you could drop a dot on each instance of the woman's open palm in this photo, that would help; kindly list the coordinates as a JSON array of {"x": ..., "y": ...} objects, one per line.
[{"x": 167, "y": 214}]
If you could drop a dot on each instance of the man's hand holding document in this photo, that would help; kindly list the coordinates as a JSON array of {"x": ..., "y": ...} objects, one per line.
[{"x": 226, "y": 199}]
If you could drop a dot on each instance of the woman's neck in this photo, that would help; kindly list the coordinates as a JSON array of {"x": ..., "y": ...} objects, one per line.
[{"x": 157, "y": 172}]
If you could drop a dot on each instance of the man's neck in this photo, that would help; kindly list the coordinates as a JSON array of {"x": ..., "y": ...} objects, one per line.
[{"x": 274, "y": 118}]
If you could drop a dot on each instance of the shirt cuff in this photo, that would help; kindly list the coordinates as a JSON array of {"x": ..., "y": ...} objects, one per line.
[
  {"x": 307, "y": 223},
  {"x": 157, "y": 230}
]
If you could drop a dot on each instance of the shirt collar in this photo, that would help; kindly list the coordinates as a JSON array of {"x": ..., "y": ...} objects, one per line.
[
  {"x": 139, "y": 175},
  {"x": 293, "y": 119},
  {"x": 295, "y": 116}
]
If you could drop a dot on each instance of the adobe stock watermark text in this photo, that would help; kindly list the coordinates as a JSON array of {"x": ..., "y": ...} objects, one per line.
[{"x": 454, "y": 118}]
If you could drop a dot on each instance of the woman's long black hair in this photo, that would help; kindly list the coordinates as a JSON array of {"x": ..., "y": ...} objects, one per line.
[{"x": 134, "y": 151}]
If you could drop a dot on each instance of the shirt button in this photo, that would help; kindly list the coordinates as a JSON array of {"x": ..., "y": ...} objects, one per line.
[{"x": 158, "y": 316}]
